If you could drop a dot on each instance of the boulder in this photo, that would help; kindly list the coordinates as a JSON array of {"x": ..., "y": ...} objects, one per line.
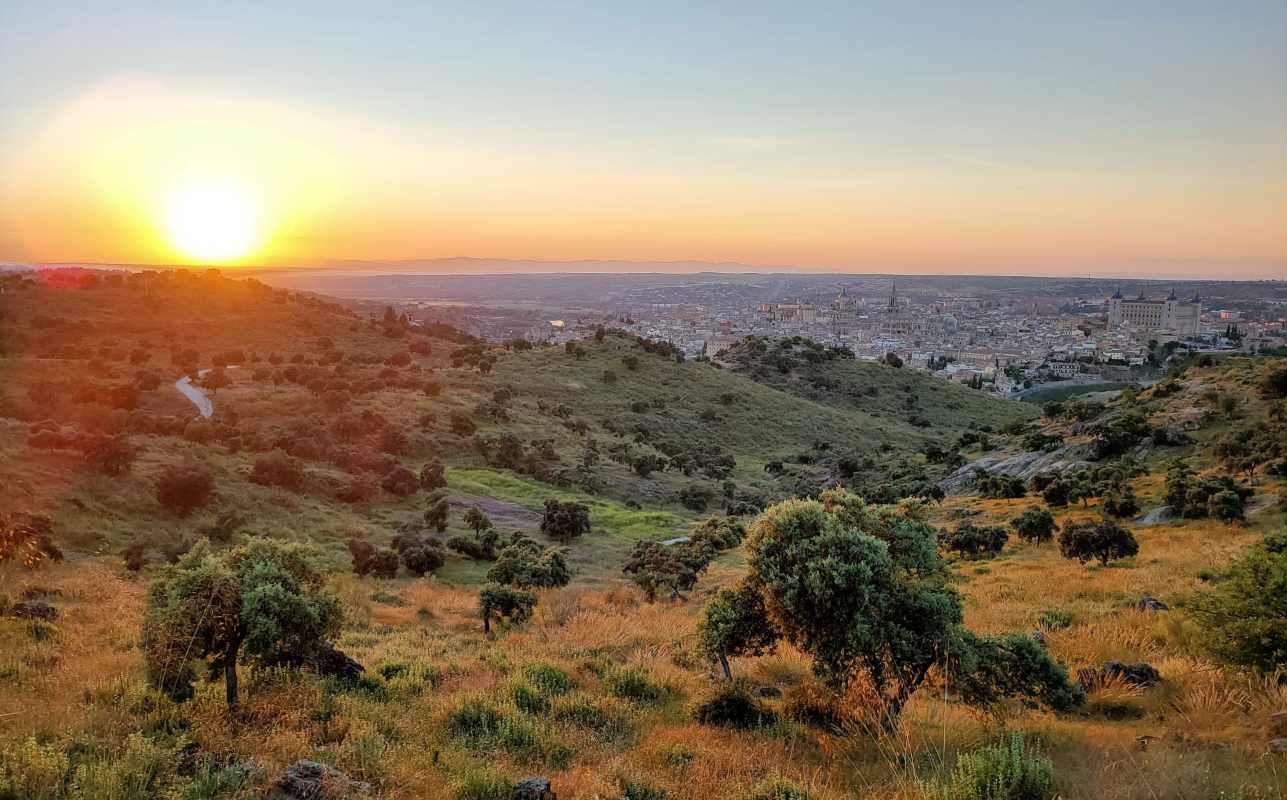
[
  {"x": 1150, "y": 603},
  {"x": 332, "y": 663},
  {"x": 33, "y": 609},
  {"x": 533, "y": 789},
  {"x": 1039, "y": 636},
  {"x": 1158, "y": 516},
  {"x": 1278, "y": 745},
  {"x": 768, "y": 691},
  {"x": 309, "y": 780}
]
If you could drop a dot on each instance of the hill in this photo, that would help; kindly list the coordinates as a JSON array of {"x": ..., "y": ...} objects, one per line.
[{"x": 324, "y": 423}]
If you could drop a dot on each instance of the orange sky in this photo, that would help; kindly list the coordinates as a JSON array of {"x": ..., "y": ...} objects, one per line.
[{"x": 91, "y": 172}]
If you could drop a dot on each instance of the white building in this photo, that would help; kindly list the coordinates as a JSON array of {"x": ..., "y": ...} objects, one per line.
[{"x": 1179, "y": 317}]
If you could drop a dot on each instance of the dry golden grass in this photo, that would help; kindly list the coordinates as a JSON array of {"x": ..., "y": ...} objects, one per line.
[{"x": 1204, "y": 727}]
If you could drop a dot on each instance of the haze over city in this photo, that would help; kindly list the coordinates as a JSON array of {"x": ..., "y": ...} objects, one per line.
[{"x": 985, "y": 138}]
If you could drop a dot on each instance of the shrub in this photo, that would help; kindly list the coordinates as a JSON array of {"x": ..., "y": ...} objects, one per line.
[
  {"x": 481, "y": 548},
  {"x": 733, "y": 706},
  {"x": 604, "y": 722},
  {"x": 437, "y": 510},
  {"x": 400, "y": 482},
  {"x": 528, "y": 699},
  {"x": 525, "y": 564},
  {"x": 134, "y": 556},
  {"x": 639, "y": 790},
  {"x": 482, "y": 785},
  {"x": 1121, "y": 504},
  {"x": 422, "y": 557},
  {"x": 634, "y": 683},
  {"x": 1245, "y": 615},
  {"x": 277, "y": 469},
  {"x": 111, "y": 455},
  {"x": 462, "y": 424},
  {"x": 565, "y": 521},
  {"x": 1034, "y": 525},
  {"x": 27, "y": 539},
  {"x": 477, "y": 519},
  {"x": 432, "y": 475},
  {"x": 384, "y": 564},
  {"x": 503, "y": 602},
  {"x": 778, "y": 789},
  {"x": 185, "y": 489},
  {"x": 736, "y": 623},
  {"x": 1104, "y": 540},
  {"x": 32, "y": 771},
  {"x": 550, "y": 680},
  {"x": 1054, "y": 618},
  {"x": 1006, "y": 770}
]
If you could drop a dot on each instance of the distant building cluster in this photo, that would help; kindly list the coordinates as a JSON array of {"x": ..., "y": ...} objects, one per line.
[{"x": 1178, "y": 317}]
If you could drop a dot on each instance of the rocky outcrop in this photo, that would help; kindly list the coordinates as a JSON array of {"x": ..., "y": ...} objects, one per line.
[
  {"x": 1158, "y": 516},
  {"x": 1150, "y": 603},
  {"x": 1023, "y": 465},
  {"x": 533, "y": 789},
  {"x": 309, "y": 780}
]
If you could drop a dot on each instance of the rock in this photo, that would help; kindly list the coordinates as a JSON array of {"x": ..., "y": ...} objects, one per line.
[
  {"x": 533, "y": 789},
  {"x": 33, "y": 609},
  {"x": 1150, "y": 603},
  {"x": 1140, "y": 674},
  {"x": 1023, "y": 465},
  {"x": 768, "y": 691},
  {"x": 1278, "y": 745},
  {"x": 309, "y": 780},
  {"x": 1278, "y": 725},
  {"x": 332, "y": 663},
  {"x": 1039, "y": 637},
  {"x": 1158, "y": 516}
]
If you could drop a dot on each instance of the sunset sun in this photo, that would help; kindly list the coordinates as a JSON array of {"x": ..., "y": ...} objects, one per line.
[{"x": 212, "y": 220}]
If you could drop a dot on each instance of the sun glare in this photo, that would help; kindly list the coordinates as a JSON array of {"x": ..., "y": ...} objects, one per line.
[{"x": 212, "y": 220}]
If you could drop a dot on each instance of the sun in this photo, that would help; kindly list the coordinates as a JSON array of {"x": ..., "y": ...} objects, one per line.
[{"x": 212, "y": 220}]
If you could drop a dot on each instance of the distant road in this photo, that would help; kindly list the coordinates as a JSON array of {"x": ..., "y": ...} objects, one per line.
[{"x": 196, "y": 394}]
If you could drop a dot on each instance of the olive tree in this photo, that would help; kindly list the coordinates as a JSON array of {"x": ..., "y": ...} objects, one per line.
[
  {"x": 1103, "y": 539},
  {"x": 1034, "y": 525},
  {"x": 565, "y": 521},
  {"x": 263, "y": 602},
  {"x": 503, "y": 602},
  {"x": 736, "y": 624}
]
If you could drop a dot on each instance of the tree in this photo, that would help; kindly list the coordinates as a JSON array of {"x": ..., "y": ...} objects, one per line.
[
  {"x": 27, "y": 539},
  {"x": 432, "y": 475},
  {"x": 437, "y": 508},
  {"x": 1273, "y": 384},
  {"x": 216, "y": 379},
  {"x": 736, "y": 623},
  {"x": 863, "y": 591},
  {"x": 264, "y": 601},
  {"x": 1244, "y": 617},
  {"x": 420, "y": 556},
  {"x": 185, "y": 489},
  {"x": 976, "y": 541},
  {"x": 1034, "y": 525},
  {"x": 986, "y": 669},
  {"x": 1104, "y": 540},
  {"x": 277, "y": 469},
  {"x": 503, "y": 602},
  {"x": 893, "y": 360},
  {"x": 477, "y": 519},
  {"x": 654, "y": 567},
  {"x": 363, "y": 554},
  {"x": 1121, "y": 503},
  {"x": 565, "y": 521},
  {"x": 525, "y": 564},
  {"x": 111, "y": 455},
  {"x": 479, "y": 548},
  {"x": 1226, "y": 506}
]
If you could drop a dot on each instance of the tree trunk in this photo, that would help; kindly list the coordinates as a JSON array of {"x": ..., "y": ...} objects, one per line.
[
  {"x": 487, "y": 623},
  {"x": 723, "y": 662},
  {"x": 230, "y": 674}
]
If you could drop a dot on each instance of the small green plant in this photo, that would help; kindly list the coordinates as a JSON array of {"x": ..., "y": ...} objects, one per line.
[
  {"x": 1055, "y": 618},
  {"x": 678, "y": 757},
  {"x": 528, "y": 698},
  {"x": 639, "y": 790},
  {"x": 635, "y": 683},
  {"x": 474, "y": 719},
  {"x": 1007, "y": 770},
  {"x": 778, "y": 789},
  {"x": 550, "y": 680},
  {"x": 606, "y": 724},
  {"x": 482, "y": 785},
  {"x": 32, "y": 770}
]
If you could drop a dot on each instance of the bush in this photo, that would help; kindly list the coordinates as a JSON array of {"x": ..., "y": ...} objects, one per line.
[
  {"x": 976, "y": 541},
  {"x": 778, "y": 789},
  {"x": 634, "y": 683},
  {"x": 111, "y": 455},
  {"x": 503, "y": 602},
  {"x": 733, "y": 706},
  {"x": 185, "y": 489},
  {"x": 277, "y": 469},
  {"x": 565, "y": 521},
  {"x": 1104, "y": 540},
  {"x": 550, "y": 680},
  {"x": 432, "y": 475},
  {"x": 400, "y": 482},
  {"x": 480, "y": 785},
  {"x": 1006, "y": 770},
  {"x": 422, "y": 557},
  {"x": 27, "y": 539},
  {"x": 32, "y": 771},
  {"x": 1245, "y": 615},
  {"x": 525, "y": 564}
]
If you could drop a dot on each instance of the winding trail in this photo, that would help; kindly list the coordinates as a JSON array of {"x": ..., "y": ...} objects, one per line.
[{"x": 196, "y": 394}]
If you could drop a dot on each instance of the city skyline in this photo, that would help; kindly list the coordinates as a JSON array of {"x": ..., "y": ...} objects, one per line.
[{"x": 1149, "y": 143}]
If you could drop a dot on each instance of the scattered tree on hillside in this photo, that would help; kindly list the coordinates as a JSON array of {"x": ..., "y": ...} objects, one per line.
[
  {"x": 278, "y": 469},
  {"x": 437, "y": 508},
  {"x": 479, "y": 548},
  {"x": 1034, "y": 525},
  {"x": 1102, "y": 539},
  {"x": 655, "y": 567},
  {"x": 363, "y": 554},
  {"x": 976, "y": 541},
  {"x": 477, "y": 519},
  {"x": 564, "y": 521},
  {"x": 111, "y": 455},
  {"x": 418, "y": 554},
  {"x": 264, "y": 601},
  {"x": 400, "y": 482},
  {"x": 523, "y": 563},
  {"x": 185, "y": 489},
  {"x": 432, "y": 475},
  {"x": 1244, "y": 617},
  {"x": 1121, "y": 504},
  {"x": 1273, "y": 383}
]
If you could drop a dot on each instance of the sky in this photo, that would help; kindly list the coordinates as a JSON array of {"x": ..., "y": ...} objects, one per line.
[{"x": 1079, "y": 137}]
